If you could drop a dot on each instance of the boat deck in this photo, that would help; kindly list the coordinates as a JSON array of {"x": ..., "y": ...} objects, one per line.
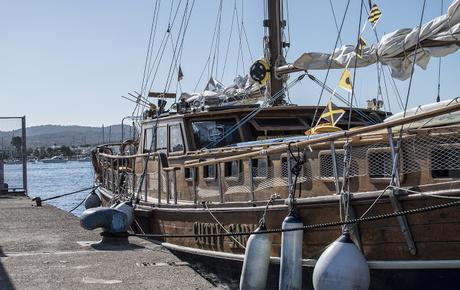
[{"x": 45, "y": 248}]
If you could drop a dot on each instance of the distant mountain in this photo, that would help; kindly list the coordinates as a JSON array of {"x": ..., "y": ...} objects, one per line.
[{"x": 48, "y": 135}]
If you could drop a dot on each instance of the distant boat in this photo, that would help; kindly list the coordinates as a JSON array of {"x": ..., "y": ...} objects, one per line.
[
  {"x": 32, "y": 160},
  {"x": 13, "y": 161},
  {"x": 84, "y": 159},
  {"x": 54, "y": 159}
]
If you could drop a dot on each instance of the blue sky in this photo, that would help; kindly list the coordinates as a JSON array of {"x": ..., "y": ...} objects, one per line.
[{"x": 68, "y": 62}]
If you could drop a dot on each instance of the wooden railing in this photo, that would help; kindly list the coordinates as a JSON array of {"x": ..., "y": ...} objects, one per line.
[{"x": 116, "y": 166}]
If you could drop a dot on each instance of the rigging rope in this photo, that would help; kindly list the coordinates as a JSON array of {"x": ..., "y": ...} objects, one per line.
[
  {"x": 417, "y": 46},
  {"x": 65, "y": 194},
  {"x": 342, "y": 99},
  {"x": 288, "y": 39},
  {"x": 205, "y": 204},
  {"x": 179, "y": 44},
  {"x": 438, "y": 98},
  {"x": 392, "y": 83},
  {"x": 162, "y": 48},
  {"x": 353, "y": 90},
  {"x": 78, "y": 205},
  {"x": 148, "y": 58},
  {"x": 330, "y": 63},
  {"x": 228, "y": 44},
  {"x": 240, "y": 46},
  {"x": 335, "y": 20},
  {"x": 248, "y": 117}
]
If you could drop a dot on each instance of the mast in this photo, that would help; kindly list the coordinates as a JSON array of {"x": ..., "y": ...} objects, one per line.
[{"x": 275, "y": 24}]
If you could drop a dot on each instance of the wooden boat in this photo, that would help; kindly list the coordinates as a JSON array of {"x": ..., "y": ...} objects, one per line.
[{"x": 185, "y": 189}]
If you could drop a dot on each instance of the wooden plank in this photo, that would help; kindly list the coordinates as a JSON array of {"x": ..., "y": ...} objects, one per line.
[{"x": 153, "y": 94}]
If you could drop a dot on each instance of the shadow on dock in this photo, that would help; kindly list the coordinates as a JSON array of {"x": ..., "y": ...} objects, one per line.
[{"x": 5, "y": 281}]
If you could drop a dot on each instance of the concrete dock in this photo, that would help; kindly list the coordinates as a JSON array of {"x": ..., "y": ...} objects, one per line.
[{"x": 45, "y": 248}]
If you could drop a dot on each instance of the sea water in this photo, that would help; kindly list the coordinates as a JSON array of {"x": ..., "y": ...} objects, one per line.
[{"x": 51, "y": 179}]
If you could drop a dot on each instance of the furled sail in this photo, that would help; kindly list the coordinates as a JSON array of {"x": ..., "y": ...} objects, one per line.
[{"x": 438, "y": 38}]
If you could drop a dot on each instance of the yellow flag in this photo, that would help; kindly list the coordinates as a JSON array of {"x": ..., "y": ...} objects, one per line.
[
  {"x": 374, "y": 14},
  {"x": 359, "y": 50},
  {"x": 332, "y": 113},
  {"x": 345, "y": 81}
]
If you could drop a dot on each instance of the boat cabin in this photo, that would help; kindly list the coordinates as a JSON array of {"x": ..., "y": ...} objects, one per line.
[{"x": 182, "y": 133}]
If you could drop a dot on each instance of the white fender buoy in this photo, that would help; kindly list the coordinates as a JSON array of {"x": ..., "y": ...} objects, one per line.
[
  {"x": 291, "y": 255},
  {"x": 256, "y": 261},
  {"x": 92, "y": 200},
  {"x": 127, "y": 208},
  {"x": 341, "y": 266}
]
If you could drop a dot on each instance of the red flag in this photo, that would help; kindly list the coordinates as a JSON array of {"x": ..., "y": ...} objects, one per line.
[{"x": 180, "y": 74}]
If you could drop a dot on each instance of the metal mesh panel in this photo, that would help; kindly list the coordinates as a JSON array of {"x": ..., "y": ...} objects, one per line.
[
  {"x": 380, "y": 164},
  {"x": 237, "y": 183},
  {"x": 264, "y": 178},
  {"x": 439, "y": 153}
]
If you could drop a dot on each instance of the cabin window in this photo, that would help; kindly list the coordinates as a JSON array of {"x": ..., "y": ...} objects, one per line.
[
  {"x": 269, "y": 128},
  {"x": 209, "y": 171},
  {"x": 326, "y": 168},
  {"x": 233, "y": 168},
  {"x": 187, "y": 173},
  {"x": 445, "y": 161},
  {"x": 162, "y": 138},
  {"x": 279, "y": 124},
  {"x": 260, "y": 167},
  {"x": 379, "y": 163},
  {"x": 148, "y": 134},
  {"x": 176, "y": 141},
  {"x": 206, "y": 133}
]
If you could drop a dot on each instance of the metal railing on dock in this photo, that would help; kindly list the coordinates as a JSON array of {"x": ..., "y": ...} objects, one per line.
[{"x": 13, "y": 155}]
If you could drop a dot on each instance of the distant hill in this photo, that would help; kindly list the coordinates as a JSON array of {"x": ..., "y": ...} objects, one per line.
[{"x": 48, "y": 135}]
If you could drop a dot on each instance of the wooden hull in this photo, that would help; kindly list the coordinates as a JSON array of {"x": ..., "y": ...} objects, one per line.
[{"x": 436, "y": 234}]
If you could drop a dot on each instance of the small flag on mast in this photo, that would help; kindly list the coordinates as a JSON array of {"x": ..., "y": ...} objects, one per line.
[
  {"x": 180, "y": 74},
  {"x": 374, "y": 14},
  {"x": 332, "y": 113},
  {"x": 345, "y": 81},
  {"x": 359, "y": 50}
]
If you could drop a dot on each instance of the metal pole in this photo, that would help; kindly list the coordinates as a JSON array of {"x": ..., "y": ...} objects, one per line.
[
  {"x": 289, "y": 167},
  {"x": 394, "y": 158},
  {"x": 195, "y": 197},
  {"x": 168, "y": 193},
  {"x": 117, "y": 174},
  {"x": 113, "y": 175},
  {"x": 393, "y": 194},
  {"x": 146, "y": 186},
  {"x": 159, "y": 178},
  {"x": 219, "y": 184},
  {"x": 175, "y": 186},
  {"x": 251, "y": 180},
  {"x": 122, "y": 127},
  {"x": 24, "y": 154},
  {"x": 334, "y": 169}
]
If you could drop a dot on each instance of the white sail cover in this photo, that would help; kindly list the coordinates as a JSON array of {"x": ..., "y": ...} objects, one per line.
[{"x": 438, "y": 38}]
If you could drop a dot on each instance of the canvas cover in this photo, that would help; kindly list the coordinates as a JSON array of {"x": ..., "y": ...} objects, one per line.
[{"x": 438, "y": 37}]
